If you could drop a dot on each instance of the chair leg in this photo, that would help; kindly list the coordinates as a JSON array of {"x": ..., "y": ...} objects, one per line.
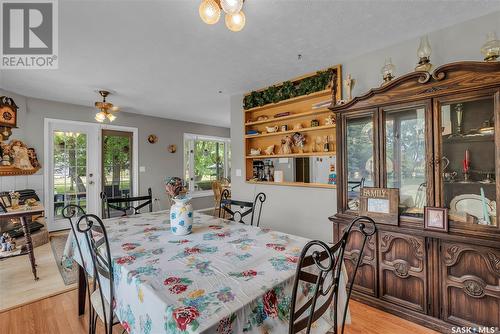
[{"x": 95, "y": 323}]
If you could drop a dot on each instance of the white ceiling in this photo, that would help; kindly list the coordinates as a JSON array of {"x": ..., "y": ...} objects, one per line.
[{"x": 162, "y": 60}]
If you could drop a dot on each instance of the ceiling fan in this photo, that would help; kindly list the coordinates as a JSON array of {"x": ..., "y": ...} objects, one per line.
[{"x": 106, "y": 109}]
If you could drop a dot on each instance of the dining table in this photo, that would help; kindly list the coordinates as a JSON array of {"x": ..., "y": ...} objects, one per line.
[{"x": 224, "y": 277}]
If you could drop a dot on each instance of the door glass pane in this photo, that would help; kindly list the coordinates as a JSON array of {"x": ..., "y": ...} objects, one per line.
[
  {"x": 468, "y": 161},
  {"x": 208, "y": 163},
  {"x": 405, "y": 158},
  {"x": 117, "y": 163},
  {"x": 70, "y": 170},
  {"x": 360, "y": 160}
]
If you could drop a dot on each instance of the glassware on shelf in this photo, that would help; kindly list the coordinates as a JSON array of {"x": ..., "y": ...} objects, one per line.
[{"x": 468, "y": 183}]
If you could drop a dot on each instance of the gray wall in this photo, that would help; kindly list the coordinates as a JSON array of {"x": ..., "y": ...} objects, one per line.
[
  {"x": 304, "y": 211},
  {"x": 158, "y": 161}
]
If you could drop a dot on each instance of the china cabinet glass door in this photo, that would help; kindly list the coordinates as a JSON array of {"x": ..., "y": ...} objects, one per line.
[
  {"x": 468, "y": 159},
  {"x": 405, "y": 164},
  {"x": 360, "y": 157}
]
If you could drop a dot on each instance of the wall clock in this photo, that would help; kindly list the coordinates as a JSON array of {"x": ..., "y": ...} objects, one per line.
[{"x": 8, "y": 112}]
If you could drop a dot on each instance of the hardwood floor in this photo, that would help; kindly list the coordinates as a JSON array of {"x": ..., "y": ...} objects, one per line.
[
  {"x": 17, "y": 284},
  {"x": 58, "y": 315}
]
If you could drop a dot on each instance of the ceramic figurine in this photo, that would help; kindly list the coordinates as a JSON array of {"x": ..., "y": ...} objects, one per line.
[
  {"x": 330, "y": 120},
  {"x": 286, "y": 145},
  {"x": 255, "y": 151},
  {"x": 297, "y": 126},
  {"x": 19, "y": 153},
  {"x": 33, "y": 157},
  {"x": 269, "y": 150},
  {"x": 349, "y": 85},
  {"x": 7, "y": 243},
  {"x": 181, "y": 215},
  {"x": 5, "y": 154},
  {"x": 299, "y": 141},
  {"x": 271, "y": 129}
]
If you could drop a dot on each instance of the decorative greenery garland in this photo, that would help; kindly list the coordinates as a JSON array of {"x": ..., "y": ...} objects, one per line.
[{"x": 288, "y": 90}]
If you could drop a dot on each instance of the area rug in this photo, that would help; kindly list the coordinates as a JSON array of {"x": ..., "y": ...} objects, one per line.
[{"x": 69, "y": 275}]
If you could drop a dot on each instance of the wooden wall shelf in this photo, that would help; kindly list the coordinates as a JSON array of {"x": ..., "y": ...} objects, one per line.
[
  {"x": 293, "y": 155},
  {"x": 295, "y": 184},
  {"x": 280, "y": 133},
  {"x": 326, "y": 92},
  {"x": 301, "y": 111},
  {"x": 10, "y": 171}
]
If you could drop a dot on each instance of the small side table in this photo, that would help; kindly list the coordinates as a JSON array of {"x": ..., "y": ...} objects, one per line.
[{"x": 22, "y": 212}]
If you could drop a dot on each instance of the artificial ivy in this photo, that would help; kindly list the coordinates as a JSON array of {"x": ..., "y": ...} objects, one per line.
[{"x": 288, "y": 89}]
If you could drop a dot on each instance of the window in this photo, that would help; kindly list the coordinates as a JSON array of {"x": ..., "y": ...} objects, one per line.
[{"x": 206, "y": 159}]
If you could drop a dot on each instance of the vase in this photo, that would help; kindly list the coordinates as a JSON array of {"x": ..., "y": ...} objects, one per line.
[{"x": 181, "y": 215}]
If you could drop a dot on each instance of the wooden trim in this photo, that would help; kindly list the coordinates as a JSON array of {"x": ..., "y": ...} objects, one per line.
[
  {"x": 295, "y": 184},
  {"x": 11, "y": 170},
  {"x": 422, "y": 78},
  {"x": 293, "y": 155},
  {"x": 337, "y": 67}
]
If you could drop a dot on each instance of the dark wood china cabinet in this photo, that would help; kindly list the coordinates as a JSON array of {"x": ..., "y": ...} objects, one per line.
[{"x": 414, "y": 133}]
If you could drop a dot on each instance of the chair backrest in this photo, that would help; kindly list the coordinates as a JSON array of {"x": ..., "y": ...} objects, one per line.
[
  {"x": 126, "y": 204},
  {"x": 96, "y": 237},
  {"x": 254, "y": 209},
  {"x": 217, "y": 189},
  {"x": 72, "y": 212},
  {"x": 324, "y": 264}
]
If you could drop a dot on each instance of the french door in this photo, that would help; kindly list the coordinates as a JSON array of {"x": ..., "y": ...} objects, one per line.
[{"x": 72, "y": 174}]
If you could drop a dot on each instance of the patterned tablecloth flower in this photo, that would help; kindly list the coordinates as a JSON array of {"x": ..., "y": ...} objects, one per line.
[{"x": 225, "y": 277}]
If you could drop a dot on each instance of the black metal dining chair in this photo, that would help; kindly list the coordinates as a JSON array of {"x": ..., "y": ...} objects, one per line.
[
  {"x": 125, "y": 205},
  {"x": 254, "y": 209},
  {"x": 96, "y": 237},
  {"x": 72, "y": 212},
  {"x": 324, "y": 264}
]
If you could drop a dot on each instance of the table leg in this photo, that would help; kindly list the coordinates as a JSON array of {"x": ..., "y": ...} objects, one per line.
[
  {"x": 29, "y": 245},
  {"x": 82, "y": 287}
]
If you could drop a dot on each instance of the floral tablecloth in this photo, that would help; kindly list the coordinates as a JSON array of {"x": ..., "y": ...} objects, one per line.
[{"x": 225, "y": 277}]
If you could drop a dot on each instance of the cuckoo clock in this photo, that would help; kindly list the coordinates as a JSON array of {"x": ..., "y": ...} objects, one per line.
[{"x": 8, "y": 116}]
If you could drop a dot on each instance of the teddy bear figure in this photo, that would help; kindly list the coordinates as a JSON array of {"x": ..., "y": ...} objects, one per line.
[
  {"x": 7, "y": 243},
  {"x": 20, "y": 155}
]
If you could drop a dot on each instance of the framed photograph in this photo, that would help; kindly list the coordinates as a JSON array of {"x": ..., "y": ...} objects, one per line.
[
  {"x": 436, "y": 219},
  {"x": 5, "y": 201},
  {"x": 380, "y": 204}
]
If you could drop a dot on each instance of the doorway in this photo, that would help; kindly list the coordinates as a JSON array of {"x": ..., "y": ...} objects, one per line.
[{"x": 83, "y": 159}]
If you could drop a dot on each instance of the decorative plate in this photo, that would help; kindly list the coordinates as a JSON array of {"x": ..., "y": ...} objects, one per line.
[
  {"x": 471, "y": 204},
  {"x": 152, "y": 139}
]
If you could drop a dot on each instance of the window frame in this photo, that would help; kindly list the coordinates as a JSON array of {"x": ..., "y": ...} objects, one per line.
[{"x": 189, "y": 139}]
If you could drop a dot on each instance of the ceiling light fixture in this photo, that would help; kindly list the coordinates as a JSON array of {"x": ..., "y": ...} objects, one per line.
[
  {"x": 210, "y": 11},
  {"x": 106, "y": 109}
]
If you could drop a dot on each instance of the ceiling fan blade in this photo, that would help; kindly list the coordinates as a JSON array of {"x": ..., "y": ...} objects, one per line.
[{"x": 115, "y": 108}]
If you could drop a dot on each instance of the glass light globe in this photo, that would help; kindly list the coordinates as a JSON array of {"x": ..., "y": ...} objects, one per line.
[
  {"x": 111, "y": 117},
  {"x": 100, "y": 117},
  {"x": 424, "y": 49},
  {"x": 235, "y": 22},
  {"x": 491, "y": 49},
  {"x": 231, "y": 6},
  {"x": 209, "y": 11},
  {"x": 388, "y": 70}
]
